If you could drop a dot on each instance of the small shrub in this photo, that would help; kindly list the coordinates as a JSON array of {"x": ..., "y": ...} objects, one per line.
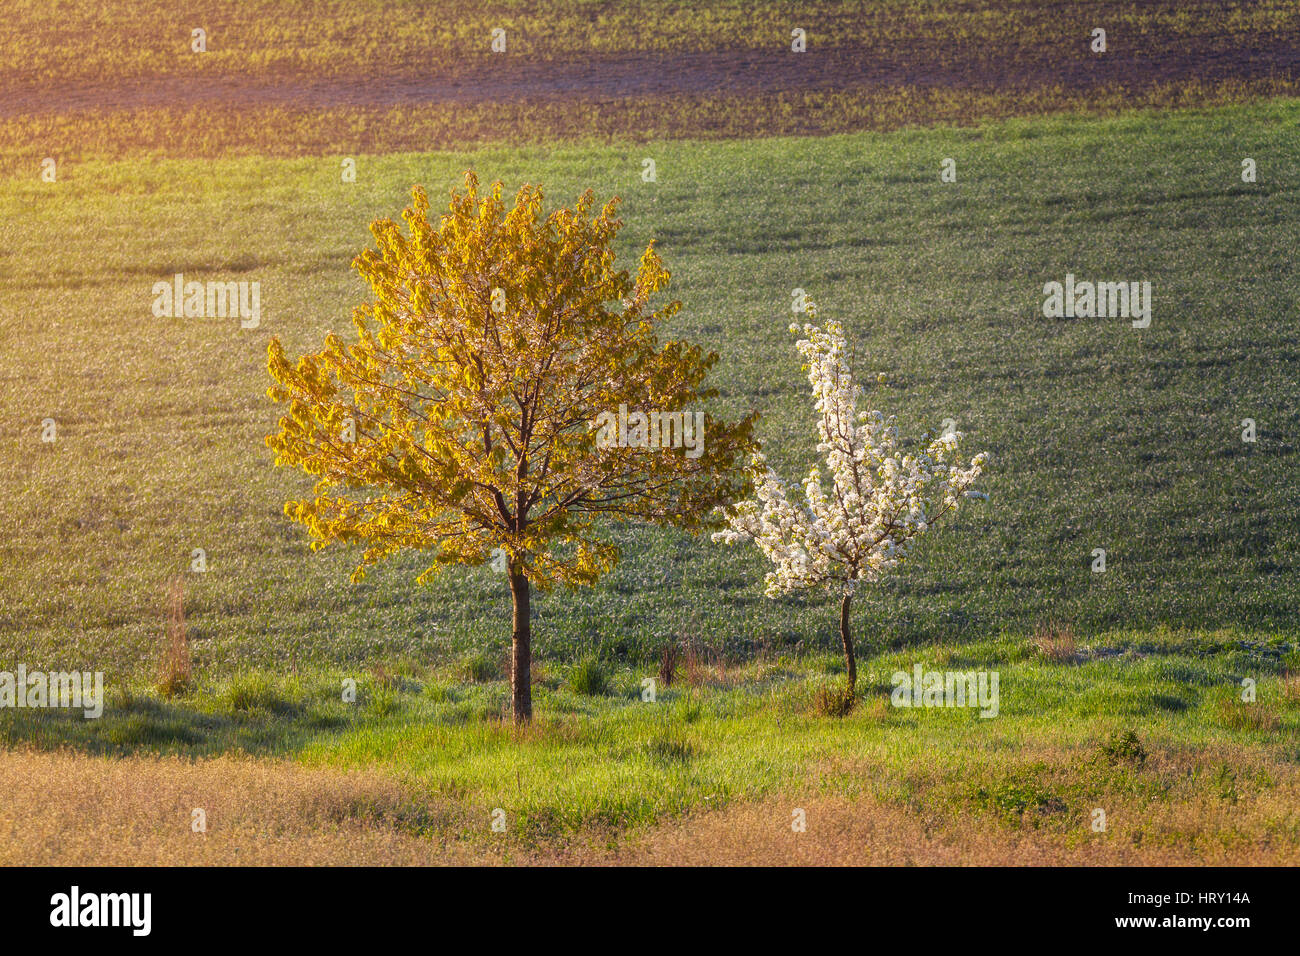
[
  {"x": 669, "y": 750},
  {"x": 1055, "y": 643},
  {"x": 831, "y": 700},
  {"x": 588, "y": 678},
  {"x": 1236, "y": 714},
  {"x": 247, "y": 692},
  {"x": 481, "y": 668},
  {"x": 1123, "y": 747}
]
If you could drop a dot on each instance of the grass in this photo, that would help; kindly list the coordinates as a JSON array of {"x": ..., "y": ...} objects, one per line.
[
  {"x": 161, "y": 421},
  {"x": 1068, "y": 739},
  {"x": 1101, "y": 436}
]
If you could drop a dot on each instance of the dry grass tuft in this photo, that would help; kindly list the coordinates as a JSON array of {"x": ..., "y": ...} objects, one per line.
[
  {"x": 704, "y": 668},
  {"x": 832, "y": 700},
  {"x": 668, "y": 660},
  {"x": 1291, "y": 689},
  {"x": 1235, "y": 714},
  {"x": 865, "y": 832},
  {"x": 176, "y": 669},
  {"x": 1055, "y": 643}
]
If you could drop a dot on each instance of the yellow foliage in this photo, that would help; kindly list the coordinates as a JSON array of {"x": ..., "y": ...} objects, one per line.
[{"x": 460, "y": 420}]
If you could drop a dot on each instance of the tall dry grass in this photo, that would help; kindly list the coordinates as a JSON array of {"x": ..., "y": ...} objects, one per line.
[
  {"x": 175, "y": 671},
  {"x": 68, "y": 809}
]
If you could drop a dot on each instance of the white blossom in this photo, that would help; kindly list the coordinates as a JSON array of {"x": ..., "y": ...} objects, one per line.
[{"x": 880, "y": 499}]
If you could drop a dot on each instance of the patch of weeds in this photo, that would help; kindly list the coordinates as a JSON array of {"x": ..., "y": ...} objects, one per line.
[
  {"x": 248, "y": 692},
  {"x": 1235, "y": 714},
  {"x": 1018, "y": 801},
  {"x": 688, "y": 710},
  {"x": 481, "y": 667},
  {"x": 139, "y": 730},
  {"x": 1174, "y": 671},
  {"x": 384, "y": 702},
  {"x": 669, "y": 658},
  {"x": 831, "y": 700},
  {"x": 440, "y": 693},
  {"x": 1224, "y": 781},
  {"x": 669, "y": 751},
  {"x": 1123, "y": 748},
  {"x": 877, "y": 709},
  {"x": 123, "y": 699},
  {"x": 588, "y": 678},
  {"x": 1291, "y": 689},
  {"x": 1055, "y": 643}
]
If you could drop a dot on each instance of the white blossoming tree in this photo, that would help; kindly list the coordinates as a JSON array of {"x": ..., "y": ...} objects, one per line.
[{"x": 881, "y": 501}]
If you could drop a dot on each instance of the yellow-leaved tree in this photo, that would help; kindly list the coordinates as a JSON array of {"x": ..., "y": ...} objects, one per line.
[{"x": 473, "y": 417}]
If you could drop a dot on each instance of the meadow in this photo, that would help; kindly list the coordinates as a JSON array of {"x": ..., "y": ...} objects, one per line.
[
  {"x": 711, "y": 771},
  {"x": 1101, "y": 436}
]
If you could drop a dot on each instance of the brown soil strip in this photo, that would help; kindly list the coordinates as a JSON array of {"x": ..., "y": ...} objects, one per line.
[{"x": 920, "y": 64}]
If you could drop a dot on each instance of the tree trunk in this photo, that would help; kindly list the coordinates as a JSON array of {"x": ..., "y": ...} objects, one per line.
[
  {"x": 521, "y": 652},
  {"x": 846, "y": 635}
]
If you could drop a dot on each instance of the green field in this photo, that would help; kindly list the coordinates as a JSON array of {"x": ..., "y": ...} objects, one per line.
[{"x": 1101, "y": 435}]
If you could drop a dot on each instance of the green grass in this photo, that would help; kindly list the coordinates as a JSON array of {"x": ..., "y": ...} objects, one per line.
[
  {"x": 1101, "y": 435},
  {"x": 1066, "y": 735}
]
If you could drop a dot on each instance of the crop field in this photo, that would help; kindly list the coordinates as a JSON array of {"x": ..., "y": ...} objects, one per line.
[
  {"x": 1103, "y": 436},
  {"x": 133, "y": 442},
  {"x": 288, "y": 79}
]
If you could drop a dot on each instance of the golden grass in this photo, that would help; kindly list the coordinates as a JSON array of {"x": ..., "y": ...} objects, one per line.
[
  {"x": 66, "y": 809},
  {"x": 865, "y": 832},
  {"x": 70, "y": 809},
  {"x": 1251, "y": 818}
]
